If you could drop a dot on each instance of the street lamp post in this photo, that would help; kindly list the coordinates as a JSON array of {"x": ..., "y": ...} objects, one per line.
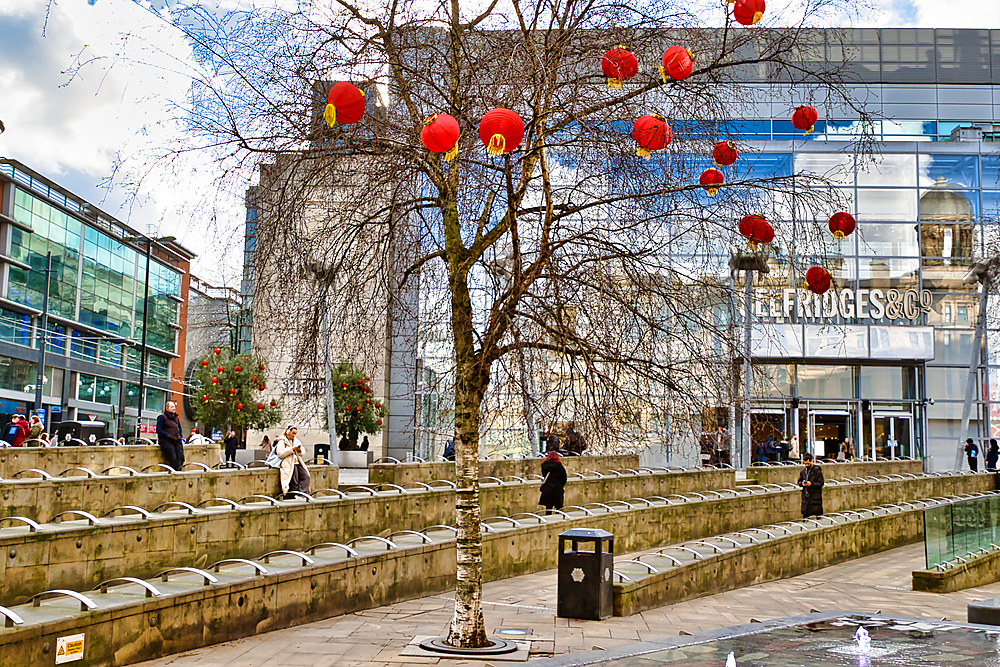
[
  {"x": 145, "y": 321},
  {"x": 42, "y": 334}
]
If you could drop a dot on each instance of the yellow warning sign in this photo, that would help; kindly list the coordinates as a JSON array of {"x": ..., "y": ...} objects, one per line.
[{"x": 69, "y": 649}]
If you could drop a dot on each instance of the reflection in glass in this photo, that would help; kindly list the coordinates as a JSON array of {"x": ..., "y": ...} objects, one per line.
[
  {"x": 888, "y": 239},
  {"x": 952, "y": 346},
  {"x": 946, "y": 237},
  {"x": 991, "y": 171},
  {"x": 960, "y": 170},
  {"x": 835, "y": 167},
  {"x": 883, "y": 383},
  {"x": 954, "y": 310},
  {"x": 889, "y": 205},
  {"x": 891, "y": 170},
  {"x": 887, "y": 273},
  {"x": 825, "y": 381}
]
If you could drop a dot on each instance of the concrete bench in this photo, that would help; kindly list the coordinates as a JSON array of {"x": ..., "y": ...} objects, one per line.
[{"x": 985, "y": 612}]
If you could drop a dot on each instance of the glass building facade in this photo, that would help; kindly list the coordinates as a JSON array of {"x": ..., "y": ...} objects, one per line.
[{"x": 96, "y": 306}]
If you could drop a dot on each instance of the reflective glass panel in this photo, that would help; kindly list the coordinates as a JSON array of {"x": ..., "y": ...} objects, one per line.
[
  {"x": 888, "y": 239},
  {"x": 991, "y": 171},
  {"x": 825, "y": 381},
  {"x": 888, "y": 205},
  {"x": 954, "y": 170},
  {"x": 890, "y": 170},
  {"x": 835, "y": 167},
  {"x": 883, "y": 273}
]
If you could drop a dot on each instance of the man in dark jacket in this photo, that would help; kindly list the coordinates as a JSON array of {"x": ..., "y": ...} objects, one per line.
[
  {"x": 554, "y": 482},
  {"x": 992, "y": 454},
  {"x": 811, "y": 481},
  {"x": 972, "y": 454},
  {"x": 168, "y": 434},
  {"x": 16, "y": 431}
]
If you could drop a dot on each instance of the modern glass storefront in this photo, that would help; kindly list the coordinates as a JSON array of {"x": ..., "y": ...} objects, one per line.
[{"x": 96, "y": 303}]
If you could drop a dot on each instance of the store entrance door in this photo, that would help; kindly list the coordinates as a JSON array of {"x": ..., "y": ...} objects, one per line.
[
  {"x": 892, "y": 434},
  {"x": 827, "y": 429}
]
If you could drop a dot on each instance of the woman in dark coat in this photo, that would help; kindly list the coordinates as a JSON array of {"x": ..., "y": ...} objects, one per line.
[
  {"x": 554, "y": 482},
  {"x": 811, "y": 481},
  {"x": 992, "y": 454}
]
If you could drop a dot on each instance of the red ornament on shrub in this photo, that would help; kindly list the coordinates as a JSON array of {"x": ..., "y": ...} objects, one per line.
[
  {"x": 343, "y": 385},
  {"x": 678, "y": 63},
  {"x": 440, "y": 135},
  {"x": 232, "y": 392},
  {"x": 367, "y": 379},
  {"x": 748, "y": 12},
  {"x": 368, "y": 401},
  {"x": 273, "y": 403},
  {"x": 220, "y": 369},
  {"x": 379, "y": 422},
  {"x": 239, "y": 406},
  {"x": 217, "y": 351},
  {"x": 360, "y": 408},
  {"x": 651, "y": 133},
  {"x": 204, "y": 398},
  {"x": 619, "y": 64},
  {"x": 724, "y": 153},
  {"x": 253, "y": 379},
  {"x": 347, "y": 408},
  {"x": 804, "y": 118},
  {"x": 238, "y": 369},
  {"x": 818, "y": 279},
  {"x": 757, "y": 230},
  {"x": 842, "y": 224},
  {"x": 204, "y": 363},
  {"x": 711, "y": 179},
  {"x": 378, "y": 405},
  {"x": 260, "y": 406},
  {"x": 501, "y": 131},
  {"x": 345, "y": 103},
  {"x": 261, "y": 387},
  {"x": 262, "y": 368},
  {"x": 215, "y": 380}
]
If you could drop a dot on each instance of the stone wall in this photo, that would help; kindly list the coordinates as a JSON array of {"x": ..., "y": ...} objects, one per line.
[
  {"x": 780, "y": 474},
  {"x": 977, "y": 571},
  {"x": 55, "y": 460},
  {"x": 407, "y": 473}
]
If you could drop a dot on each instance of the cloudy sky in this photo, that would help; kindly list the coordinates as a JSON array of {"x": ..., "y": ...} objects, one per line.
[{"x": 83, "y": 85}]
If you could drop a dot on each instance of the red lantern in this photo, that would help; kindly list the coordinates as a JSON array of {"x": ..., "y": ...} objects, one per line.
[
  {"x": 343, "y": 385},
  {"x": 440, "y": 135},
  {"x": 261, "y": 387},
  {"x": 262, "y": 368},
  {"x": 842, "y": 224},
  {"x": 379, "y": 422},
  {"x": 217, "y": 351},
  {"x": 360, "y": 408},
  {"x": 360, "y": 381},
  {"x": 260, "y": 406},
  {"x": 220, "y": 369},
  {"x": 347, "y": 408},
  {"x": 345, "y": 103},
  {"x": 619, "y": 65},
  {"x": 748, "y": 12},
  {"x": 378, "y": 405},
  {"x": 724, "y": 153},
  {"x": 232, "y": 392},
  {"x": 804, "y": 118},
  {"x": 204, "y": 363},
  {"x": 678, "y": 63},
  {"x": 757, "y": 230},
  {"x": 651, "y": 133},
  {"x": 238, "y": 369},
  {"x": 711, "y": 179},
  {"x": 273, "y": 402},
  {"x": 204, "y": 399},
  {"x": 818, "y": 279},
  {"x": 239, "y": 406},
  {"x": 501, "y": 131},
  {"x": 215, "y": 380}
]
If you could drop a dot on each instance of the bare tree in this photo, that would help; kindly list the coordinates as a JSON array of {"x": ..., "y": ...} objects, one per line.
[{"x": 598, "y": 267}]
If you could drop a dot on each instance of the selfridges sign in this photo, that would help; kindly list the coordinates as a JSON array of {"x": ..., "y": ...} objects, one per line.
[{"x": 873, "y": 305}]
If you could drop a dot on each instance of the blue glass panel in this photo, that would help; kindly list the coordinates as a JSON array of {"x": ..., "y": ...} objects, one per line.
[
  {"x": 991, "y": 171},
  {"x": 765, "y": 165},
  {"x": 955, "y": 170}
]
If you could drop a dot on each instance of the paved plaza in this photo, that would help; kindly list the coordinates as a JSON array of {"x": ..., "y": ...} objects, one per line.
[{"x": 375, "y": 638}]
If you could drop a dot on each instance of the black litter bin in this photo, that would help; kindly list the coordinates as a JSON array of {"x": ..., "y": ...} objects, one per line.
[
  {"x": 89, "y": 431},
  {"x": 322, "y": 453},
  {"x": 586, "y": 559}
]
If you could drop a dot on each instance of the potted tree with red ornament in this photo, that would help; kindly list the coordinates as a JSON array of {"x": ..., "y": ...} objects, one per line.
[
  {"x": 356, "y": 412},
  {"x": 229, "y": 397}
]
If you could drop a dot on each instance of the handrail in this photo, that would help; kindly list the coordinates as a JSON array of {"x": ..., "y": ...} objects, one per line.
[
  {"x": 649, "y": 568},
  {"x": 32, "y": 526},
  {"x": 362, "y": 488},
  {"x": 87, "y": 472},
  {"x": 177, "y": 503},
  {"x": 351, "y": 552},
  {"x": 207, "y": 578},
  {"x": 388, "y": 459},
  {"x": 623, "y": 502},
  {"x": 453, "y": 530},
  {"x": 306, "y": 560},
  {"x": 300, "y": 494},
  {"x": 423, "y": 538},
  {"x": 110, "y": 514},
  {"x": 10, "y": 618},
  {"x": 91, "y": 519},
  {"x": 85, "y": 602},
  {"x": 660, "y": 554},
  {"x": 388, "y": 544},
  {"x": 447, "y": 482},
  {"x": 556, "y": 511},
  {"x": 539, "y": 517},
  {"x": 230, "y": 465},
  {"x": 714, "y": 547},
  {"x": 272, "y": 501},
  {"x": 337, "y": 492},
  {"x": 257, "y": 463},
  {"x": 649, "y": 503},
  {"x": 621, "y": 576},
  {"x": 258, "y": 569},
  {"x": 159, "y": 465},
  {"x": 495, "y": 479},
  {"x": 197, "y": 464},
  {"x": 599, "y": 505},
  {"x": 151, "y": 590},
  {"x": 396, "y": 487},
  {"x": 232, "y": 503},
  {"x": 41, "y": 473},
  {"x": 424, "y": 486},
  {"x": 513, "y": 522},
  {"x": 129, "y": 472},
  {"x": 577, "y": 507},
  {"x": 753, "y": 540},
  {"x": 697, "y": 554}
]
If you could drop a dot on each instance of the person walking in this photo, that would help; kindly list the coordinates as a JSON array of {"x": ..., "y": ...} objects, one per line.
[
  {"x": 168, "y": 435},
  {"x": 992, "y": 454},
  {"x": 793, "y": 448},
  {"x": 35, "y": 429},
  {"x": 265, "y": 445},
  {"x": 232, "y": 442},
  {"x": 811, "y": 481},
  {"x": 292, "y": 471},
  {"x": 972, "y": 454},
  {"x": 554, "y": 482}
]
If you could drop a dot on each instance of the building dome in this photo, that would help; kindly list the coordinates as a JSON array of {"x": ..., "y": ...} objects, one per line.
[{"x": 942, "y": 203}]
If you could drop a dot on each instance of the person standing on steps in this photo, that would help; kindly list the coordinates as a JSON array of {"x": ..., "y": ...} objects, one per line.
[
  {"x": 972, "y": 454},
  {"x": 168, "y": 435},
  {"x": 554, "y": 482},
  {"x": 232, "y": 443},
  {"x": 811, "y": 481},
  {"x": 992, "y": 454}
]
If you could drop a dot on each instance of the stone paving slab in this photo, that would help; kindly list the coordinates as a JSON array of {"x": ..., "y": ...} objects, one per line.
[{"x": 376, "y": 637}]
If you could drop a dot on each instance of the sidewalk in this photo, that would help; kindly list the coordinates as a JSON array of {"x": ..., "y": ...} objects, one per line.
[{"x": 375, "y": 637}]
